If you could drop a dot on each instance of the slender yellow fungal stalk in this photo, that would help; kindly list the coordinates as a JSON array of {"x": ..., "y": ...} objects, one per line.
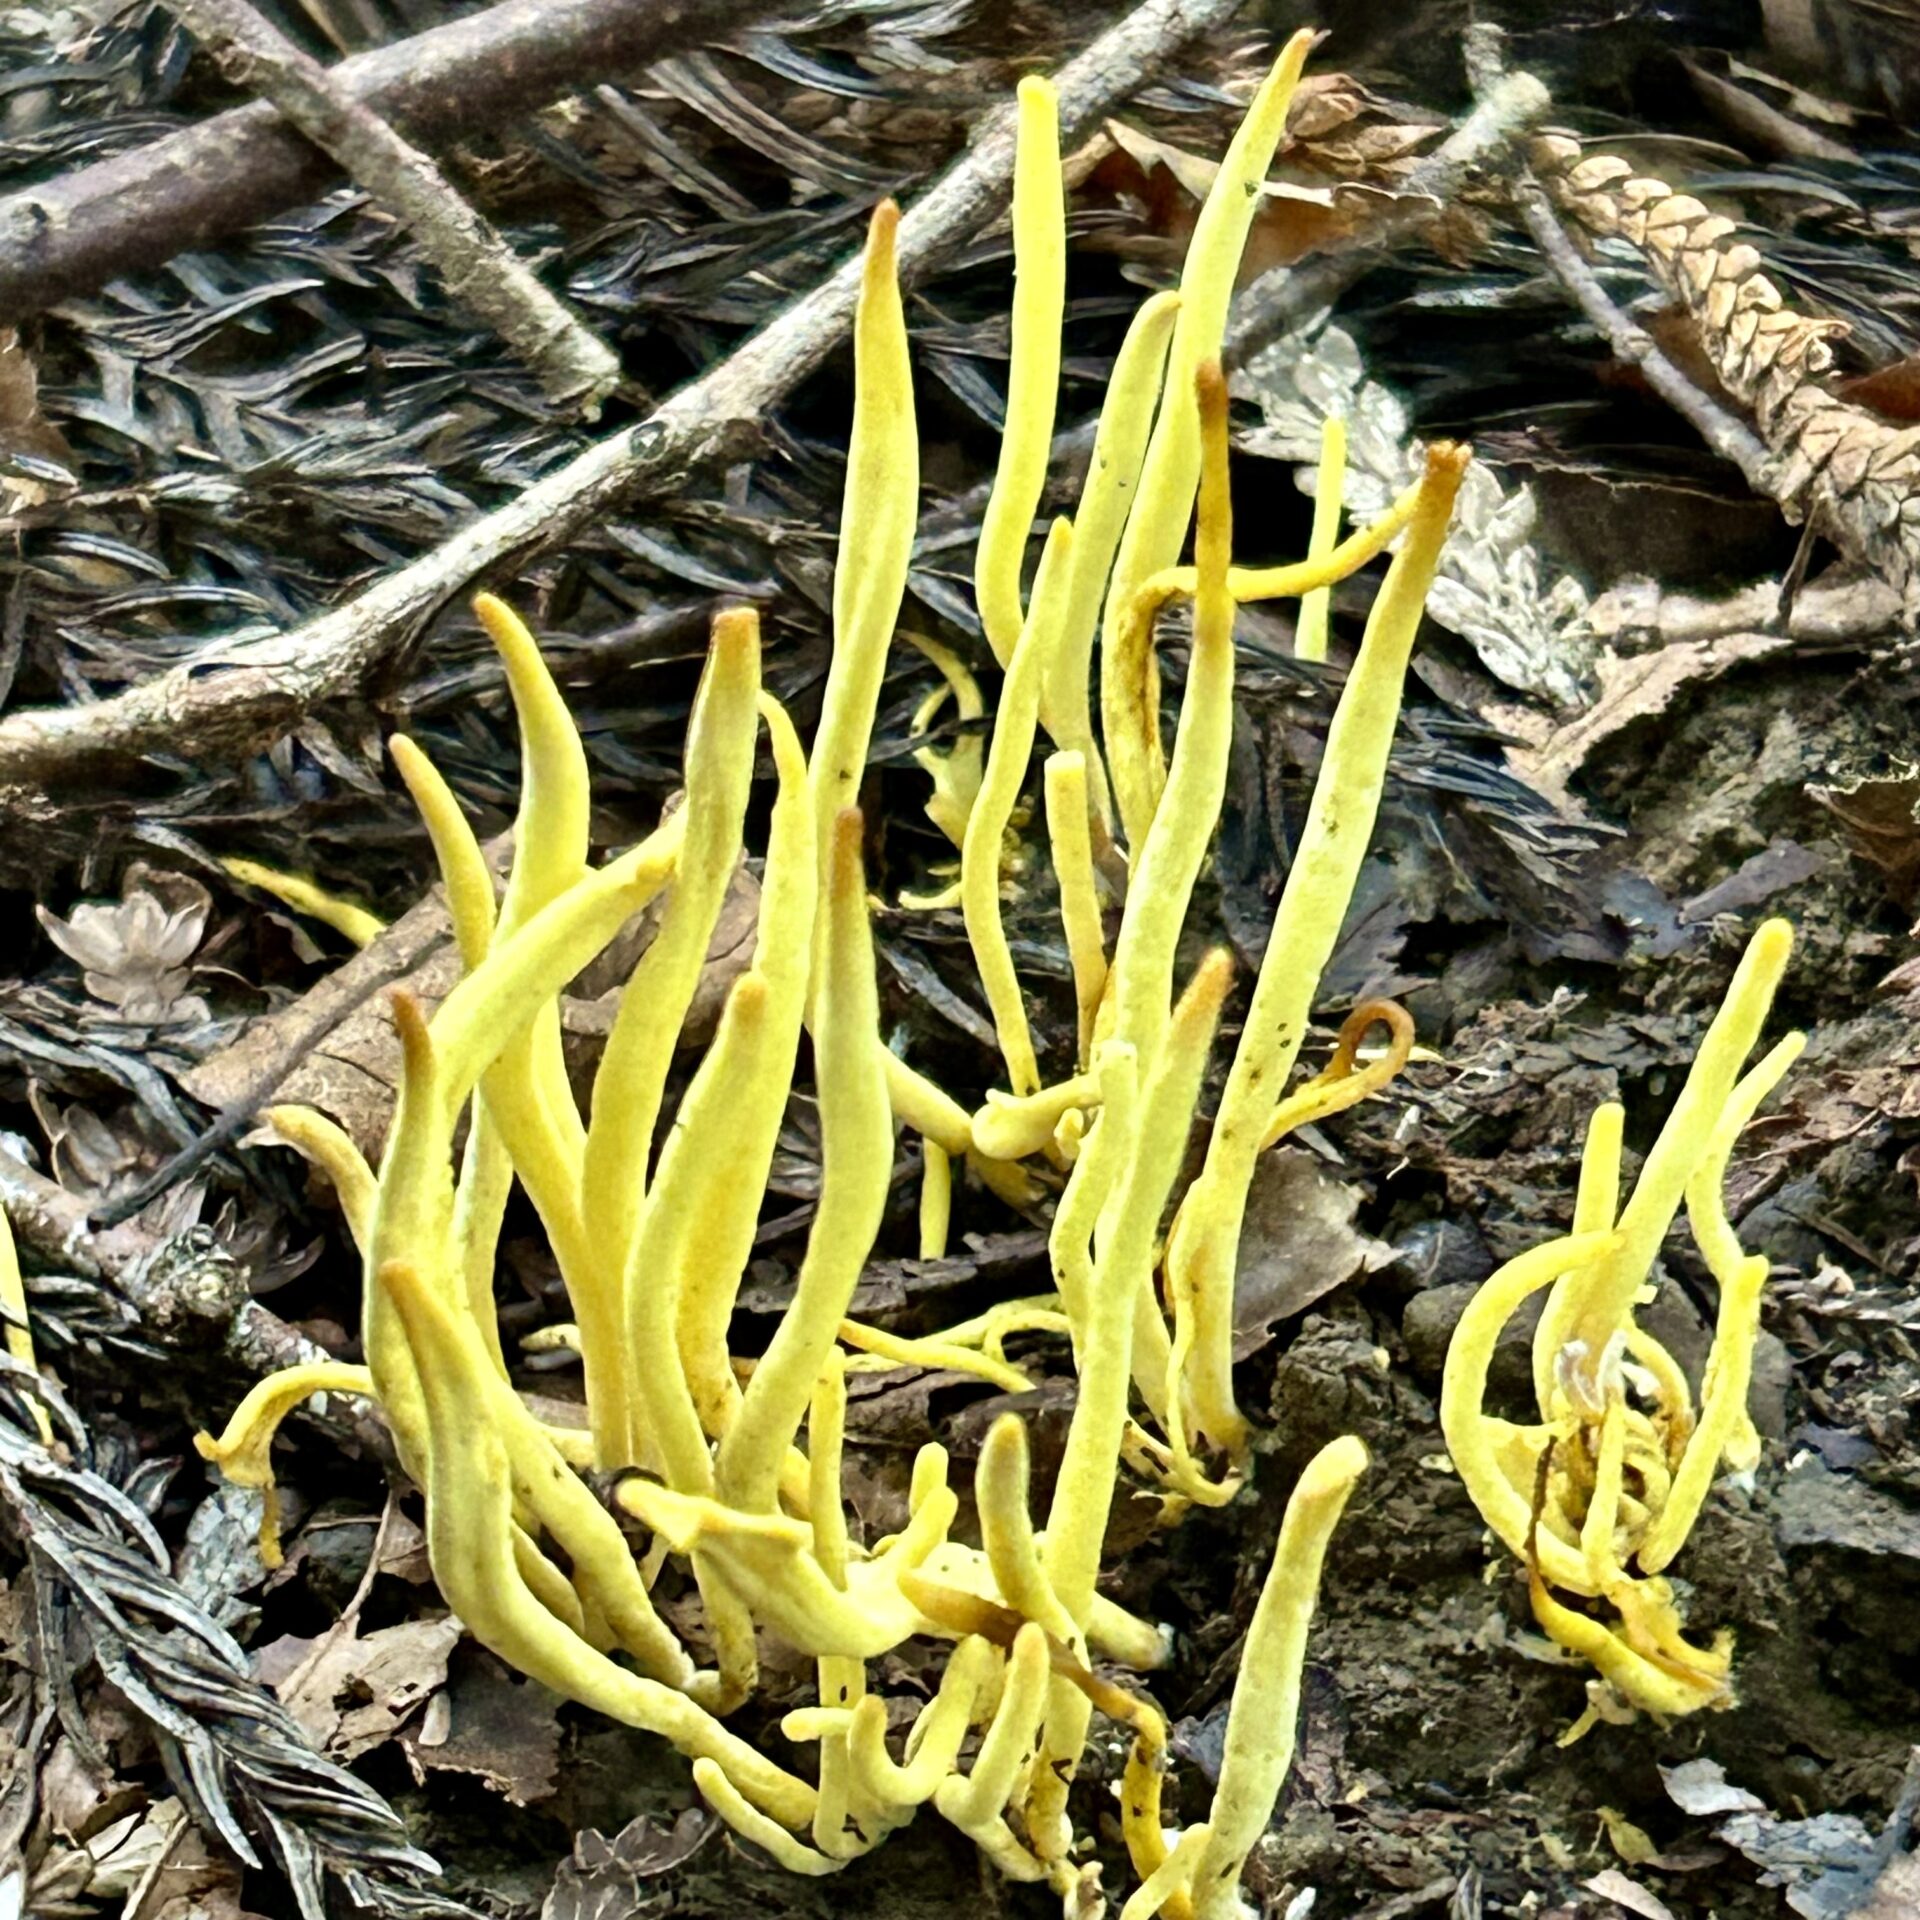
[
  {"x": 1119, "y": 448},
  {"x": 1104, "y": 1354},
  {"x": 486, "y": 1174},
  {"x": 936, "y": 1199},
  {"x": 877, "y": 518},
  {"x": 1706, "y": 1191},
  {"x": 306, "y": 896},
  {"x": 244, "y": 1450},
  {"x": 330, "y": 1148},
  {"x": 1130, "y": 641},
  {"x": 1095, "y": 1173},
  {"x": 1310, "y": 637},
  {"x": 549, "y": 852},
  {"x": 1722, "y": 1405},
  {"x": 717, "y": 1789},
  {"x": 1000, "y": 1490},
  {"x": 974, "y": 1801},
  {"x": 857, "y": 1165},
  {"x": 13, "y": 1298},
  {"x": 463, "y": 867},
  {"x": 1009, "y": 1128},
  {"x": 1596, "y": 1205},
  {"x": 469, "y": 1500},
  {"x": 1474, "y": 1438},
  {"x": 933, "y": 1747},
  {"x": 1168, "y": 1888},
  {"x": 1157, "y": 524},
  {"x": 1654, "y": 1685},
  {"x": 904, "y": 1350},
  {"x": 1598, "y": 1546},
  {"x": 1266, "y": 1696},
  {"x": 1345, "y": 1080},
  {"x": 1606, "y": 1299},
  {"x": 727, "y": 1197},
  {"x": 1007, "y": 757},
  {"x": 1294, "y": 579},
  {"x": 1168, "y": 857},
  {"x": 671, "y": 1231},
  {"x": 1072, "y": 844},
  {"x": 1033, "y": 372},
  {"x": 632, "y": 1076},
  {"x": 1326, "y": 865}
]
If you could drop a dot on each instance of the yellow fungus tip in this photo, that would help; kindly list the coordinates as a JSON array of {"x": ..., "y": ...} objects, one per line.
[{"x": 1334, "y": 1468}]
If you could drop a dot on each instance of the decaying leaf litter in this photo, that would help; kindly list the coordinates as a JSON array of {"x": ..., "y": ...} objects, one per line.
[{"x": 1557, "y": 901}]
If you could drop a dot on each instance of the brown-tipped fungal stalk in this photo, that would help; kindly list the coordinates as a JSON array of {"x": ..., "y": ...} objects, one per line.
[{"x": 735, "y": 1469}]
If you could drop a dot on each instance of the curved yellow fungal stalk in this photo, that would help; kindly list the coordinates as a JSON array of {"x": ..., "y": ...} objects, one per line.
[
  {"x": 244, "y": 1450},
  {"x": 1121, "y": 1280},
  {"x": 1684, "y": 1141},
  {"x": 632, "y": 1075},
  {"x": 469, "y": 1509},
  {"x": 1170, "y": 474},
  {"x": 1068, "y": 802},
  {"x": 1600, "y": 1498},
  {"x": 956, "y": 772},
  {"x": 877, "y": 517},
  {"x": 1329, "y": 496},
  {"x": 352, "y": 923},
  {"x": 1168, "y": 861},
  {"x": 463, "y": 867},
  {"x": 1007, "y": 758},
  {"x": 857, "y": 1166},
  {"x": 13, "y": 1298},
  {"x": 1203, "y": 1248},
  {"x": 1033, "y": 373},
  {"x": 1477, "y": 1442},
  {"x": 1266, "y": 1695},
  {"x": 1346, "y": 1080},
  {"x": 329, "y": 1147},
  {"x": 1106, "y": 499}
]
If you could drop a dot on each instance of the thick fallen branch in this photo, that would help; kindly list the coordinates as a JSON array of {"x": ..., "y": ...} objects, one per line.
[
  {"x": 234, "y": 697},
  {"x": 142, "y": 207},
  {"x": 575, "y": 370}
]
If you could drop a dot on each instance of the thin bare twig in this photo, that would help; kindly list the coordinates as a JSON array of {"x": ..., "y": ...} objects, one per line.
[
  {"x": 1729, "y": 437},
  {"x": 575, "y": 370},
  {"x": 139, "y": 208},
  {"x": 241, "y": 693}
]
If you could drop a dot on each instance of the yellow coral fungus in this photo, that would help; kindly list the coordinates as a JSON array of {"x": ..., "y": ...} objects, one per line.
[
  {"x": 734, "y": 1464},
  {"x": 1598, "y": 1498}
]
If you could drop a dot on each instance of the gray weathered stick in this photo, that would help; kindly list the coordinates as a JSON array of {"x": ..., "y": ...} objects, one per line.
[
  {"x": 235, "y": 696},
  {"x": 575, "y": 370},
  {"x": 191, "y": 187}
]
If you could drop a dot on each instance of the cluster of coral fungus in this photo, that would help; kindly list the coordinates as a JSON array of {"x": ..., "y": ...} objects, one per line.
[{"x": 733, "y": 1467}]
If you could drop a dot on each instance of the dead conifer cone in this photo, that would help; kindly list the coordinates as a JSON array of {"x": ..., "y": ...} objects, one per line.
[{"x": 1854, "y": 475}]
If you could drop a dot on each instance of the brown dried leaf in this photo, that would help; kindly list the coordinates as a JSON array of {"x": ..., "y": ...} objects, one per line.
[
  {"x": 491, "y": 1723},
  {"x": 1297, "y": 1243},
  {"x": 1638, "y": 688},
  {"x": 1880, "y": 815},
  {"x": 352, "y": 1692},
  {"x": 604, "y": 1880}
]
